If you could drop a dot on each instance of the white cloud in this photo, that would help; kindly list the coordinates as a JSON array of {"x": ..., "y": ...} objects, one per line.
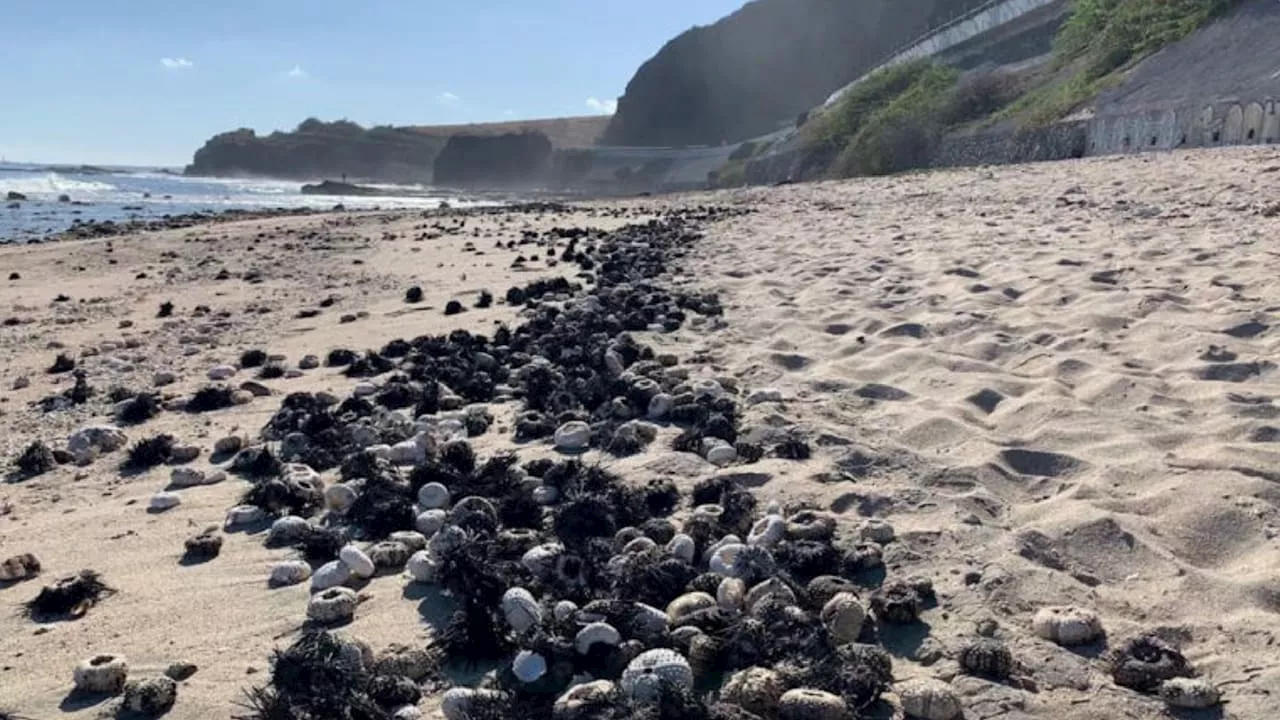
[
  {"x": 603, "y": 107},
  {"x": 509, "y": 113},
  {"x": 297, "y": 72},
  {"x": 448, "y": 98},
  {"x": 177, "y": 63}
]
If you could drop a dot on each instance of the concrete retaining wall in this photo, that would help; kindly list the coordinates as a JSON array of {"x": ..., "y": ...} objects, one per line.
[
  {"x": 1253, "y": 122},
  {"x": 1061, "y": 141}
]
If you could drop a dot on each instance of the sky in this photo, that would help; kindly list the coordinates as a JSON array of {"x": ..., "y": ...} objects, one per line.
[{"x": 146, "y": 82}]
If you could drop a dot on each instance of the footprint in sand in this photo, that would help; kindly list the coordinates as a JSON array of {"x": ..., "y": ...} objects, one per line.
[
  {"x": 1251, "y": 329},
  {"x": 1039, "y": 462}
]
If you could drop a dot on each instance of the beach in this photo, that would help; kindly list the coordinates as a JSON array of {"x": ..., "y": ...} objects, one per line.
[{"x": 1055, "y": 382}]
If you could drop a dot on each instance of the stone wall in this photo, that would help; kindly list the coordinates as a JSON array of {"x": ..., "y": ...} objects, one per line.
[{"x": 1061, "y": 141}]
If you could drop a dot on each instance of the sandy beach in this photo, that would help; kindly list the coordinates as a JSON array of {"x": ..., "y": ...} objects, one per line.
[{"x": 1055, "y": 382}]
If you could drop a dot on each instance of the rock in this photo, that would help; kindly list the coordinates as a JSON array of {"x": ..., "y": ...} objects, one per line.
[
  {"x": 183, "y": 454},
  {"x": 659, "y": 406},
  {"x": 429, "y": 522},
  {"x": 721, "y": 454},
  {"x": 331, "y": 574},
  {"x": 117, "y": 365},
  {"x": 184, "y": 477},
  {"x": 103, "y": 674},
  {"x": 422, "y": 567},
  {"x": 365, "y": 389},
  {"x": 162, "y": 501},
  {"x": 877, "y": 531},
  {"x": 433, "y": 496},
  {"x": 22, "y": 383},
  {"x": 809, "y": 704},
  {"x": 764, "y": 395},
  {"x": 288, "y": 530},
  {"x": 290, "y": 572},
  {"x": 309, "y": 362},
  {"x": 163, "y": 377},
  {"x": 221, "y": 372},
  {"x": 408, "y": 452},
  {"x": 357, "y": 561},
  {"x": 15, "y": 196},
  {"x": 19, "y": 567},
  {"x": 257, "y": 388},
  {"x": 242, "y": 515},
  {"x": 573, "y": 436},
  {"x": 150, "y": 697},
  {"x": 241, "y": 397},
  {"x": 180, "y": 671},
  {"x": 87, "y": 443},
  {"x": 228, "y": 445},
  {"x": 339, "y": 498}
]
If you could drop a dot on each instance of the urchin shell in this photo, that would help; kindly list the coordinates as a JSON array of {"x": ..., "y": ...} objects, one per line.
[
  {"x": 723, "y": 558},
  {"x": 682, "y": 547},
  {"x": 1189, "y": 693},
  {"x": 422, "y": 567},
  {"x": 429, "y": 522},
  {"x": 896, "y": 603},
  {"x": 541, "y": 560},
  {"x": 771, "y": 588},
  {"x": 755, "y": 690},
  {"x": 731, "y": 594},
  {"x": 824, "y": 587},
  {"x": 689, "y": 603},
  {"x": 767, "y": 531},
  {"x": 448, "y": 540},
  {"x": 244, "y": 515},
  {"x": 412, "y": 662},
  {"x": 150, "y": 697},
  {"x": 335, "y": 605},
  {"x": 704, "y": 654},
  {"x": 639, "y": 545},
  {"x": 357, "y": 561},
  {"x": 647, "y": 674},
  {"x": 466, "y": 703},
  {"x": 433, "y": 496},
  {"x": 389, "y": 554},
  {"x": 520, "y": 609},
  {"x": 1145, "y": 662},
  {"x": 810, "y": 704},
  {"x": 584, "y": 698},
  {"x": 596, "y": 633},
  {"x": 928, "y": 699},
  {"x": 290, "y": 572},
  {"x": 288, "y": 530},
  {"x": 331, "y": 574},
  {"x": 411, "y": 539},
  {"x": 843, "y": 616},
  {"x": 1068, "y": 626},
  {"x": 987, "y": 657},
  {"x": 103, "y": 674},
  {"x": 811, "y": 525},
  {"x": 339, "y": 497},
  {"x": 528, "y": 666}
]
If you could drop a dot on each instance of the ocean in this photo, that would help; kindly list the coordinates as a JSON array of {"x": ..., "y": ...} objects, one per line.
[{"x": 124, "y": 194}]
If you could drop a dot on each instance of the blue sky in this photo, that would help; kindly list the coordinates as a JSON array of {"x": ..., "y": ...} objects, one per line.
[{"x": 146, "y": 82}]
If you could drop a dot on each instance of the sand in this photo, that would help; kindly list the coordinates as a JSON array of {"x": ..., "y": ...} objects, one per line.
[{"x": 1055, "y": 381}]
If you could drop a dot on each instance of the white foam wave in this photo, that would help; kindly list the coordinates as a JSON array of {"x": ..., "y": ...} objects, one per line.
[{"x": 52, "y": 184}]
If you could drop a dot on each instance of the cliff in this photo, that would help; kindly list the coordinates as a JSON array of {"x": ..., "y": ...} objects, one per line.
[
  {"x": 317, "y": 149},
  {"x": 510, "y": 160},
  {"x": 763, "y": 65}
]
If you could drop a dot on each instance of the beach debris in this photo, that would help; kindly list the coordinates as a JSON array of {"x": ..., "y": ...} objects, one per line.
[
  {"x": 69, "y": 597},
  {"x": 1068, "y": 626},
  {"x": 19, "y": 567},
  {"x": 36, "y": 459},
  {"x": 101, "y": 675},
  {"x": 1189, "y": 693},
  {"x": 1145, "y": 662},
  {"x": 929, "y": 699},
  {"x": 204, "y": 546},
  {"x": 180, "y": 671},
  {"x": 150, "y": 697}
]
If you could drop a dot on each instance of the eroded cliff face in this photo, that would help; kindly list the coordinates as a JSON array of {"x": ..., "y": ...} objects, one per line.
[
  {"x": 498, "y": 161},
  {"x": 319, "y": 150},
  {"x": 763, "y": 65}
]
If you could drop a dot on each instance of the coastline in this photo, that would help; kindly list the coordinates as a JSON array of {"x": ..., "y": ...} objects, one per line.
[{"x": 1023, "y": 370}]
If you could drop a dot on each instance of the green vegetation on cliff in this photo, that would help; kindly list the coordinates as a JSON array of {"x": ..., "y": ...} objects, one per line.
[{"x": 1103, "y": 38}]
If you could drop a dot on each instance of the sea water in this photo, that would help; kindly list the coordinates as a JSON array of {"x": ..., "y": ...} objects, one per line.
[{"x": 124, "y": 194}]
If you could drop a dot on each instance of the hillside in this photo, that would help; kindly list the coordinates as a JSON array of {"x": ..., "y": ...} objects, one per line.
[
  {"x": 567, "y": 132},
  {"x": 762, "y": 66}
]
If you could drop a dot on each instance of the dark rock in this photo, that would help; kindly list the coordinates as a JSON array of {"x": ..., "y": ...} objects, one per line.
[{"x": 12, "y": 195}]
